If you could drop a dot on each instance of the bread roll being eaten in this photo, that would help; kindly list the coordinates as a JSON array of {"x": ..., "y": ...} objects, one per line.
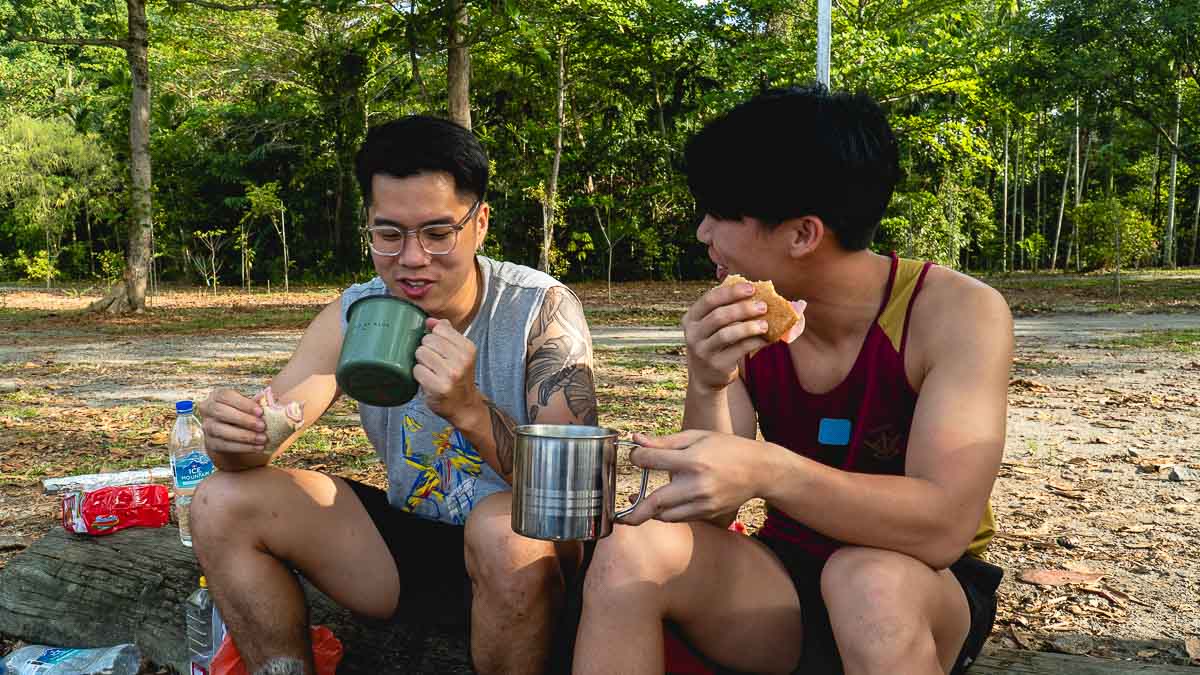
[{"x": 781, "y": 316}]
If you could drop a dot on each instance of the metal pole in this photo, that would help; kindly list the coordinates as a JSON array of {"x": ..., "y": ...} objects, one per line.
[{"x": 823, "y": 37}]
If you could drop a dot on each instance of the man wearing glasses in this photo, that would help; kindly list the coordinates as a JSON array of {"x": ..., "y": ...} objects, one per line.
[{"x": 506, "y": 345}]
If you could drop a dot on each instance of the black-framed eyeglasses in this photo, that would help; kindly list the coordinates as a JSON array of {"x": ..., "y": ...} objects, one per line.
[{"x": 435, "y": 238}]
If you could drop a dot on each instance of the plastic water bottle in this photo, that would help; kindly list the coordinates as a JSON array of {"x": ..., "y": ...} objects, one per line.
[
  {"x": 123, "y": 659},
  {"x": 218, "y": 631},
  {"x": 190, "y": 464},
  {"x": 201, "y": 625}
]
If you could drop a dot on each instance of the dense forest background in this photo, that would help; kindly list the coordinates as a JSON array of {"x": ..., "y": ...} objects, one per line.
[{"x": 207, "y": 142}]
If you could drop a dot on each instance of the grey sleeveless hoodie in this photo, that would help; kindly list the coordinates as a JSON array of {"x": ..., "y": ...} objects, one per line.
[{"x": 433, "y": 471}]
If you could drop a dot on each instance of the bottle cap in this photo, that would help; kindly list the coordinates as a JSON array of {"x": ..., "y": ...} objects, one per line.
[
  {"x": 203, "y": 582},
  {"x": 183, "y": 407}
]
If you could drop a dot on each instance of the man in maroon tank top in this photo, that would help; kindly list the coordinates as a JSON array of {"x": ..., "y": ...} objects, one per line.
[{"x": 882, "y": 426}]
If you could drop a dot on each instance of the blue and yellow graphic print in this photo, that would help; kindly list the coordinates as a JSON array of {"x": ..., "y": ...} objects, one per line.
[{"x": 444, "y": 484}]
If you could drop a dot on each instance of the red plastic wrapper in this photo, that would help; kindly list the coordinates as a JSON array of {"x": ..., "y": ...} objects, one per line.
[
  {"x": 327, "y": 654},
  {"x": 109, "y": 509}
]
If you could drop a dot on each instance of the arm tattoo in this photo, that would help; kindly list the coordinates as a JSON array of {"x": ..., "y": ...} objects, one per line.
[
  {"x": 504, "y": 431},
  {"x": 562, "y": 363}
]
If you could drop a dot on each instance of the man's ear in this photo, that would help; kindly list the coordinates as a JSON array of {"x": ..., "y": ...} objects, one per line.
[
  {"x": 804, "y": 235},
  {"x": 481, "y": 220}
]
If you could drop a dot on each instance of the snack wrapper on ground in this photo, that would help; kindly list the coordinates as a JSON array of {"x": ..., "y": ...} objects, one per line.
[
  {"x": 327, "y": 654},
  {"x": 110, "y": 509},
  {"x": 282, "y": 419}
]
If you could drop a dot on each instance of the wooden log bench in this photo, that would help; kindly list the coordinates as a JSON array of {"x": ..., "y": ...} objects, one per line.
[{"x": 74, "y": 590}]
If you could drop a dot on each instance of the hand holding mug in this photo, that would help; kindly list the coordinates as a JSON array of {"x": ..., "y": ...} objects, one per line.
[
  {"x": 711, "y": 474},
  {"x": 445, "y": 369}
]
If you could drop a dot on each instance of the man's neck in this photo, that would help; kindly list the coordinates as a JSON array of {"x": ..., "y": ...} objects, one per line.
[
  {"x": 466, "y": 302},
  {"x": 844, "y": 292}
]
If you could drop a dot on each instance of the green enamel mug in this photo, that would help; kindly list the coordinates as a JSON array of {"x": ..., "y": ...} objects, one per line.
[{"x": 379, "y": 350}]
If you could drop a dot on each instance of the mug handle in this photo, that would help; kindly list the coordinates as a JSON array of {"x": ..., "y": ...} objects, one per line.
[{"x": 641, "y": 492}]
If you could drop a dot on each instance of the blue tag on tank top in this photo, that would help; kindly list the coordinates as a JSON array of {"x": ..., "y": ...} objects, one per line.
[{"x": 833, "y": 432}]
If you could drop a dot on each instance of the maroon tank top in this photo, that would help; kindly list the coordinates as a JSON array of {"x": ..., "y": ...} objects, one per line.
[{"x": 862, "y": 424}]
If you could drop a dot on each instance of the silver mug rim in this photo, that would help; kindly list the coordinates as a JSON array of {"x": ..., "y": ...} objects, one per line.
[{"x": 566, "y": 431}]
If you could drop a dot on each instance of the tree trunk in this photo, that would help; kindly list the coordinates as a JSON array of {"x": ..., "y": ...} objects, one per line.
[
  {"x": 549, "y": 202},
  {"x": 410, "y": 32},
  {"x": 140, "y": 235},
  {"x": 1004, "y": 208},
  {"x": 1019, "y": 206},
  {"x": 658, "y": 105},
  {"x": 130, "y": 295},
  {"x": 1080, "y": 189},
  {"x": 1195, "y": 228},
  {"x": 283, "y": 239},
  {"x": 1157, "y": 180},
  {"x": 76, "y": 590},
  {"x": 243, "y": 244},
  {"x": 1076, "y": 240},
  {"x": 49, "y": 259},
  {"x": 458, "y": 64},
  {"x": 1062, "y": 205},
  {"x": 339, "y": 198},
  {"x": 1117, "y": 273},
  {"x": 1081, "y": 178},
  {"x": 1169, "y": 240},
  {"x": 1037, "y": 195},
  {"x": 212, "y": 265},
  {"x": 87, "y": 221},
  {"x": 609, "y": 242}
]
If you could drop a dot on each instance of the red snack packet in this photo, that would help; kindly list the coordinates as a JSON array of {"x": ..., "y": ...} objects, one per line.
[
  {"x": 109, "y": 509},
  {"x": 327, "y": 654}
]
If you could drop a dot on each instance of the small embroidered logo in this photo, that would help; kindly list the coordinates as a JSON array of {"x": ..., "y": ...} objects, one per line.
[{"x": 883, "y": 443}]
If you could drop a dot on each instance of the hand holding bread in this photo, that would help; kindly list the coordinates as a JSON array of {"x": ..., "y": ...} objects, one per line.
[
  {"x": 731, "y": 321},
  {"x": 781, "y": 316},
  {"x": 282, "y": 420}
]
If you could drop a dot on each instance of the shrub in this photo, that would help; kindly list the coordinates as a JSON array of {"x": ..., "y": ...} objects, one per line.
[
  {"x": 112, "y": 265},
  {"x": 1100, "y": 222},
  {"x": 38, "y": 267}
]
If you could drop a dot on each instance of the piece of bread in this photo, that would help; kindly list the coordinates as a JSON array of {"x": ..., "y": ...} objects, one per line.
[
  {"x": 780, "y": 316},
  {"x": 282, "y": 420}
]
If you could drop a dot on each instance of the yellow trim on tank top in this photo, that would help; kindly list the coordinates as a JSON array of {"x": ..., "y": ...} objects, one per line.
[{"x": 891, "y": 320}]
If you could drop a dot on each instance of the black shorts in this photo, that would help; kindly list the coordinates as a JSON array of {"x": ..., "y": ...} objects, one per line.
[
  {"x": 434, "y": 584},
  {"x": 819, "y": 655},
  {"x": 429, "y": 558}
]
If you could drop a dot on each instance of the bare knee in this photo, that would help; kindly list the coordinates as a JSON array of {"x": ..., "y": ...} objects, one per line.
[
  {"x": 513, "y": 571},
  {"x": 860, "y": 573},
  {"x": 226, "y": 504},
  {"x": 875, "y": 608},
  {"x": 639, "y": 561}
]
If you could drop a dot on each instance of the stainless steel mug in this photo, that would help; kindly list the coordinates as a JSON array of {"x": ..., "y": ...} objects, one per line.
[{"x": 565, "y": 480}]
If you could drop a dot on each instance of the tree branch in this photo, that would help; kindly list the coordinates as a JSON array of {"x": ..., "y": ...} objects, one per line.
[
  {"x": 921, "y": 90},
  {"x": 228, "y": 8},
  {"x": 78, "y": 42}
]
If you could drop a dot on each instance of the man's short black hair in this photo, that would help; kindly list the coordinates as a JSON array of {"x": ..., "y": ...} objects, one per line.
[
  {"x": 420, "y": 144},
  {"x": 797, "y": 152}
]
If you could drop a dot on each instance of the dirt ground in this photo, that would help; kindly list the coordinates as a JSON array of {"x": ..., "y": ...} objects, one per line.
[{"x": 1098, "y": 432}]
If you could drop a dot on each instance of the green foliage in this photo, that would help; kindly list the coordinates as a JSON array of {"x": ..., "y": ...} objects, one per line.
[
  {"x": 112, "y": 265},
  {"x": 47, "y": 171},
  {"x": 254, "y": 110},
  {"x": 37, "y": 267},
  {"x": 923, "y": 226},
  {"x": 1102, "y": 222},
  {"x": 1033, "y": 246}
]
